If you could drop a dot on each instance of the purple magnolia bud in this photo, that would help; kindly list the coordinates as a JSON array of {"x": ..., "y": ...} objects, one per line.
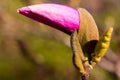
[{"x": 61, "y": 17}]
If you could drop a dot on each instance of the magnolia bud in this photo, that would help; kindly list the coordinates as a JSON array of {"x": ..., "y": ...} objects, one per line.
[{"x": 61, "y": 17}]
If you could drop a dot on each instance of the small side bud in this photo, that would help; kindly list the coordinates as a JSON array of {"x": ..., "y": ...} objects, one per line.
[{"x": 102, "y": 46}]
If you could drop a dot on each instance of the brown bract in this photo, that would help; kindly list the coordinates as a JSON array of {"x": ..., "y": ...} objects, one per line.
[{"x": 88, "y": 32}]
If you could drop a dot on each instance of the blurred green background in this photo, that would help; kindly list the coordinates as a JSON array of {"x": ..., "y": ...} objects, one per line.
[{"x": 33, "y": 51}]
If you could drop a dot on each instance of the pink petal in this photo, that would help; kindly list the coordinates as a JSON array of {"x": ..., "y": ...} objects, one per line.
[{"x": 61, "y": 17}]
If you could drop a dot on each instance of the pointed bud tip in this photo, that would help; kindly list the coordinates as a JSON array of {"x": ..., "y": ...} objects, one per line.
[{"x": 23, "y": 10}]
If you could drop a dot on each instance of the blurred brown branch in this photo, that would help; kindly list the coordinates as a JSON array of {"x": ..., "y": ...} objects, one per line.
[
  {"x": 34, "y": 60},
  {"x": 74, "y": 3},
  {"x": 111, "y": 63},
  {"x": 27, "y": 53}
]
